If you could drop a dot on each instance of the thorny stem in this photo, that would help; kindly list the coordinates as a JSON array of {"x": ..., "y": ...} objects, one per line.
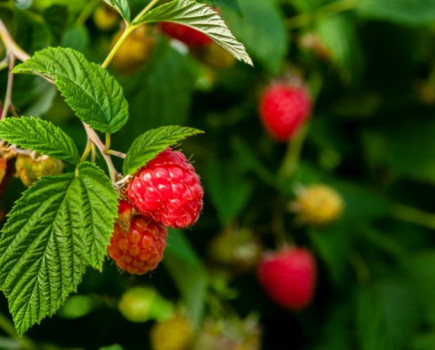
[
  {"x": 304, "y": 19},
  {"x": 8, "y": 98}
]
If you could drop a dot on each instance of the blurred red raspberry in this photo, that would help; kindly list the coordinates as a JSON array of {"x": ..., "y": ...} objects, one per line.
[
  {"x": 283, "y": 109},
  {"x": 289, "y": 277}
]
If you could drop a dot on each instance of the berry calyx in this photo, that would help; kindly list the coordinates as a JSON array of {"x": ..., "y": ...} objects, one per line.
[
  {"x": 289, "y": 277},
  {"x": 317, "y": 205},
  {"x": 191, "y": 37},
  {"x": 31, "y": 169},
  {"x": 283, "y": 110},
  {"x": 168, "y": 190},
  {"x": 140, "y": 249}
]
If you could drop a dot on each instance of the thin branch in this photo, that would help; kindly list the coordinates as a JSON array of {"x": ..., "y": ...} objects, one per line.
[
  {"x": 10, "y": 44},
  {"x": 8, "y": 97}
]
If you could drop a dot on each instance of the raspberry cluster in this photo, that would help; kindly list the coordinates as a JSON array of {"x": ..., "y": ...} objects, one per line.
[{"x": 165, "y": 192}]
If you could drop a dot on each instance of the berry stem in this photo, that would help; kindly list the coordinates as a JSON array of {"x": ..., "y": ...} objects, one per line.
[
  {"x": 8, "y": 98},
  {"x": 130, "y": 27},
  {"x": 293, "y": 153},
  {"x": 86, "y": 152},
  {"x": 412, "y": 215},
  {"x": 10, "y": 44}
]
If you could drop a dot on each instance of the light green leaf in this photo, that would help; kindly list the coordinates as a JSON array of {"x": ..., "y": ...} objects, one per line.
[
  {"x": 121, "y": 6},
  {"x": 41, "y": 136},
  {"x": 152, "y": 142},
  {"x": 58, "y": 227},
  {"x": 200, "y": 17},
  {"x": 93, "y": 94}
]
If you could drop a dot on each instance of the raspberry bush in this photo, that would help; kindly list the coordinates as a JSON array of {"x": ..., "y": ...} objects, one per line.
[{"x": 300, "y": 216}]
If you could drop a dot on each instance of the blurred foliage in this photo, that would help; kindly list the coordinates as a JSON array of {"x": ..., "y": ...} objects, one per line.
[{"x": 370, "y": 66}]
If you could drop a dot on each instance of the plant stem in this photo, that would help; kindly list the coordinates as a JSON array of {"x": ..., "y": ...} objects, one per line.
[
  {"x": 86, "y": 152},
  {"x": 116, "y": 154},
  {"x": 304, "y": 19},
  {"x": 95, "y": 139},
  {"x": 127, "y": 31},
  {"x": 118, "y": 44},
  {"x": 10, "y": 44},
  {"x": 146, "y": 9},
  {"x": 293, "y": 153},
  {"x": 107, "y": 145},
  {"x": 8, "y": 97},
  {"x": 413, "y": 215}
]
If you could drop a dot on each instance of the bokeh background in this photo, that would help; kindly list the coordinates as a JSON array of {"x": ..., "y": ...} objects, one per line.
[{"x": 370, "y": 68}]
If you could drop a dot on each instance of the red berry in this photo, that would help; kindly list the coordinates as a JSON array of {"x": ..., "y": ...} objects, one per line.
[
  {"x": 288, "y": 277},
  {"x": 140, "y": 249},
  {"x": 168, "y": 190},
  {"x": 283, "y": 109},
  {"x": 191, "y": 37}
]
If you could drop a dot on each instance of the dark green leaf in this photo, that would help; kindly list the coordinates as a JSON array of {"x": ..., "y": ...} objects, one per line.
[
  {"x": 41, "y": 136},
  {"x": 152, "y": 142},
  {"x": 89, "y": 90}
]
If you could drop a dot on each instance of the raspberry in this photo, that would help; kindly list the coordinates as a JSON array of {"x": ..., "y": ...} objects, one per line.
[
  {"x": 317, "y": 205},
  {"x": 283, "y": 109},
  {"x": 29, "y": 169},
  {"x": 173, "y": 334},
  {"x": 288, "y": 277},
  {"x": 168, "y": 190},
  {"x": 191, "y": 37},
  {"x": 140, "y": 249}
]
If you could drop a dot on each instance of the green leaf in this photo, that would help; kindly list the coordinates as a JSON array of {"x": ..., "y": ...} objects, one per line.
[
  {"x": 234, "y": 4},
  {"x": 409, "y": 12},
  {"x": 61, "y": 225},
  {"x": 200, "y": 17},
  {"x": 188, "y": 272},
  {"x": 261, "y": 26},
  {"x": 121, "y": 6},
  {"x": 152, "y": 142},
  {"x": 41, "y": 136},
  {"x": 93, "y": 94}
]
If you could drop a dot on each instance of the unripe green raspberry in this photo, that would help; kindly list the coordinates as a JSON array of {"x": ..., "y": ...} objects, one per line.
[
  {"x": 29, "y": 170},
  {"x": 317, "y": 205},
  {"x": 173, "y": 334}
]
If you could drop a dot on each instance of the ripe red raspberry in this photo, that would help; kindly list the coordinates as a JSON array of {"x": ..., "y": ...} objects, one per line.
[
  {"x": 283, "y": 109},
  {"x": 168, "y": 190},
  {"x": 288, "y": 277},
  {"x": 140, "y": 249},
  {"x": 191, "y": 37}
]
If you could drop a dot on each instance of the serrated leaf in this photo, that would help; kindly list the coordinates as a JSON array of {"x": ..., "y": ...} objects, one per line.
[
  {"x": 41, "y": 136},
  {"x": 58, "y": 227},
  {"x": 92, "y": 93},
  {"x": 121, "y": 6},
  {"x": 200, "y": 17},
  {"x": 152, "y": 142}
]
